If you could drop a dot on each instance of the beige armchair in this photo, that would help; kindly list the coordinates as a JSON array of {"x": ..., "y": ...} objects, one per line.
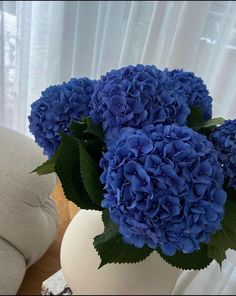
[{"x": 28, "y": 216}]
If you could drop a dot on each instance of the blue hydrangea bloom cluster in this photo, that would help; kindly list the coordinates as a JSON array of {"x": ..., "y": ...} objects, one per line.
[
  {"x": 164, "y": 187},
  {"x": 194, "y": 89},
  {"x": 135, "y": 96},
  {"x": 57, "y": 107},
  {"x": 224, "y": 139}
]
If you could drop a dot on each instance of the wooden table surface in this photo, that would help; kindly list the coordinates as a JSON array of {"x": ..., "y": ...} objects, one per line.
[{"x": 50, "y": 262}]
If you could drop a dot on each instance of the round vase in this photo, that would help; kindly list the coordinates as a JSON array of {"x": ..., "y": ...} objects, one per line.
[{"x": 80, "y": 261}]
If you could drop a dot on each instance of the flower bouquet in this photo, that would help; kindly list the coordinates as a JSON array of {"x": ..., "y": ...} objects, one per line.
[{"x": 140, "y": 145}]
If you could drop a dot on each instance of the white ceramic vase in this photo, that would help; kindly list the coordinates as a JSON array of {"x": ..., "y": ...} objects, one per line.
[{"x": 80, "y": 261}]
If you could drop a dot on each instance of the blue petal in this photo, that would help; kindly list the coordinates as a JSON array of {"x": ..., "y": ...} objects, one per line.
[{"x": 168, "y": 249}]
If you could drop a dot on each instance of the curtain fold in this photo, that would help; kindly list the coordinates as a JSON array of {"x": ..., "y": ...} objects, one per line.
[
  {"x": 48, "y": 42},
  {"x": 185, "y": 38}
]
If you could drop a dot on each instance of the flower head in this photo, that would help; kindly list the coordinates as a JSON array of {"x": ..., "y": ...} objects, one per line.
[
  {"x": 57, "y": 107},
  {"x": 194, "y": 90},
  {"x": 224, "y": 140},
  {"x": 163, "y": 187},
  {"x": 135, "y": 96}
]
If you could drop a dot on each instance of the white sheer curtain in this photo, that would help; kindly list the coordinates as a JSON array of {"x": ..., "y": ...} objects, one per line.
[{"x": 47, "y": 42}]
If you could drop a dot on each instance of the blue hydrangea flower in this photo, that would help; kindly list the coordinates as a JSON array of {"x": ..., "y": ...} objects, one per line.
[
  {"x": 57, "y": 107},
  {"x": 224, "y": 139},
  {"x": 136, "y": 96},
  {"x": 194, "y": 90},
  {"x": 164, "y": 187}
]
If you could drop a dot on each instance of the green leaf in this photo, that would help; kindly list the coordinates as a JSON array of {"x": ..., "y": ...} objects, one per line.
[
  {"x": 231, "y": 193},
  {"x": 207, "y": 130},
  {"x": 67, "y": 167},
  {"x": 195, "y": 119},
  {"x": 94, "y": 148},
  {"x": 86, "y": 130},
  {"x": 90, "y": 173},
  {"x": 213, "y": 122},
  {"x": 196, "y": 260},
  {"x": 78, "y": 130},
  {"x": 197, "y": 122},
  {"x": 226, "y": 237},
  {"x": 217, "y": 253},
  {"x": 94, "y": 129},
  {"x": 92, "y": 143},
  {"x": 209, "y": 126},
  {"x": 110, "y": 229},
  {"x": 47, "y": 167},
  {"x": 112, "y": 249}
]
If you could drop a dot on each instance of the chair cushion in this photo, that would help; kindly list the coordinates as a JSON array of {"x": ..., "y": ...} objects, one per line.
[
  {"x": 12, "y": 268},
  {"x": 28, "y": 216}
]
